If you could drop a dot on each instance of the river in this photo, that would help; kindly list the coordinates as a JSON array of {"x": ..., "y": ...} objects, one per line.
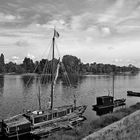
[{"x": 17, "y": 94}]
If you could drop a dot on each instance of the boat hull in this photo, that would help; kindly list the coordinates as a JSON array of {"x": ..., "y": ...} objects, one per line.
[
  {"x": 119, "y": 102},
  {"x": 104, "y": 109},
  {"x": 25, "y": 127},
  {"x": 131, "y": 93},
  {"x": 45, "y": 131}
]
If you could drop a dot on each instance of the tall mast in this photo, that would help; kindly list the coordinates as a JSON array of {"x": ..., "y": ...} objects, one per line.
[
  {"x": 113, "y": 87},
  {"x": 39, "y": 98},
  {"x": 52, "y": 85}
]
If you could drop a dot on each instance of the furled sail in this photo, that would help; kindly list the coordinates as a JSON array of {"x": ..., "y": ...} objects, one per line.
[
  {"x": 56, "y": 75},
  {"x": 57, "y": 72}
]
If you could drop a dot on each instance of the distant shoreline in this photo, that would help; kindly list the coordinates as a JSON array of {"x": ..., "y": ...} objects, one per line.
[{"x": 82, "y": 74}]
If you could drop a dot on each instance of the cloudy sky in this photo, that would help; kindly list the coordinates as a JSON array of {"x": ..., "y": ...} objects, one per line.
[{"x": 106, "y": 31}]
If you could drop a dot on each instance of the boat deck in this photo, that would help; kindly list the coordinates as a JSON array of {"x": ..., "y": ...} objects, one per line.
[
  {"x": 48, "y": 129},
  {"x": 16, "y": 121},
  {"x": 48, "y": 111}
]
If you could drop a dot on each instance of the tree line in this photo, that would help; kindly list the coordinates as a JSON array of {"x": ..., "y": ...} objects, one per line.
[{"x": 70, "y": 63}]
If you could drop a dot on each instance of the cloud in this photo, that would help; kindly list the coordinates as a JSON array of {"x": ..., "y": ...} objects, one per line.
[
  {"x": 111, "y": 13},
  {"x": 15, "y": 59},
  {"x": 111, "y": 48},
  {"x": 31, "y": 56},
  {"x": 22, "y": 43},
  {"x": 91, "y": 25},
  {"x": 82, "y": 21},
  {"x": 105, "y": 31},
  {"x": 59, "y": 24},
  {"x": 8, "y": 17}
]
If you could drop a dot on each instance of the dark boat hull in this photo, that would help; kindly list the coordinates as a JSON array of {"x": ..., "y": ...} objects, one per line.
[
  {"x": 19, "y": 134},
  {"x": 101, "y": 110},
  {"x": 104, "y": 109},
  {"x": 119, "y": 102},
  {"x": 131, "y": 93}
]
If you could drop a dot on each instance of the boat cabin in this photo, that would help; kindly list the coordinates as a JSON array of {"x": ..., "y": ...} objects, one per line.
[
  {"x": 18, "y": 124},
  {"x": 104, "y": 100},
  {"x": 40, "y": 116},
  {"x": 105, "y": 104}
]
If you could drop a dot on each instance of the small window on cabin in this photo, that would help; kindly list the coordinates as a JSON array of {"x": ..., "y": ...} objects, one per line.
[
  {"x": 71, "y": 109},
  {"x": 36, "y": 120},
  {"x": 50, "y": 117},
  {"x": 12, "y": 129},
  {"x": 45, "y": 118},
  {"x": 68, "y": 111},
  {"x": 31, "y": 120},
  {"x": 64, "y": 113},
  {"x": 55, "y": 115},
  {"x": 60, "y": 114}
]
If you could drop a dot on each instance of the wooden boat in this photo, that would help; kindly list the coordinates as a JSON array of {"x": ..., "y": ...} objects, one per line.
[
  {"x": 119, "y": 102},
  {"x": 132, "y": 93},
  {"x": 45, "y": 131},
  {"x": 16, "y": 125},
  {"x": 77, "y": 120},
  {"x": 33, "y": 121},
  {"x": 106, "y": 104}
]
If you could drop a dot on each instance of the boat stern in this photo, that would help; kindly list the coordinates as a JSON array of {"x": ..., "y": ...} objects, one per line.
[{"x": 17, "y": 125}]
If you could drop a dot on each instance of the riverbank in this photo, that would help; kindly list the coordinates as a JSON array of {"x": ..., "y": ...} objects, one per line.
[
  {"x": 74, "y": 74},
  {"x": 85, "y": 129}
]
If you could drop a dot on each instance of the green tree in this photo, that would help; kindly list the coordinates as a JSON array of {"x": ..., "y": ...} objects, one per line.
[
  {"x": 28, "y": 65},
  {"x": 2, "y": 64}
]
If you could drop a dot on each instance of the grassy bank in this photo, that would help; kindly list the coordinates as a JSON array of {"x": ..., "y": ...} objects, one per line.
[{"x": 85, "y": 129}]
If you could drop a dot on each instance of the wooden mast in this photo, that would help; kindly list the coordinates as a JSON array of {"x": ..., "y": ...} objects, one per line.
[
  {"x": 113, "y": 87},
  {"x": 52, "y": 85},
  {"x": 39, "y": 98}
]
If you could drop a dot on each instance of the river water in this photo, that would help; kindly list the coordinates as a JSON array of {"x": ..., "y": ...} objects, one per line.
[{"x": 17, "y": 95}]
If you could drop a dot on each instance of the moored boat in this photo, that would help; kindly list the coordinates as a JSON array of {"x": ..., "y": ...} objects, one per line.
[
  {"x": 106, "y": 104},
  {"x": 132, "y": 93},
  {"x": 67, "y": 124},
  {"x": 16, "y": 125},
  {"x": 42, "y": 120},
  {"x": 119, "y": 102}
]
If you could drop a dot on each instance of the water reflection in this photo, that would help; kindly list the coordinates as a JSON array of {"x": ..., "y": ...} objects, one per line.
[
  {"x": 45, "y": 78},
  {"x": 1, "y": 84},
  {"x": 27, "y": 80},
  {"x": 73, "y": 80},
  {"x": 71, "y": 87}
]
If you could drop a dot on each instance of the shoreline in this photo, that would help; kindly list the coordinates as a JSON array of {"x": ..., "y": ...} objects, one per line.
[
  {"x": 86, "y": 129},
  {"x": 81, "y": 74}
]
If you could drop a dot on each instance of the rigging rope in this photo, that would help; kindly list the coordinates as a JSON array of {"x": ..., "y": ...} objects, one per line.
[
  {"x": 63, "y": 67},
  {"x": 17, "y": 133},
  {"x": 36, "y": 66}
]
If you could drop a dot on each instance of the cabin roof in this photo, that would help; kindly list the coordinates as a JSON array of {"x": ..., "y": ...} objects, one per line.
[
  {"x": 40, "y": 113},
  {"x": 105, "y": 97},
  {"x": 16, "y": 121}
]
